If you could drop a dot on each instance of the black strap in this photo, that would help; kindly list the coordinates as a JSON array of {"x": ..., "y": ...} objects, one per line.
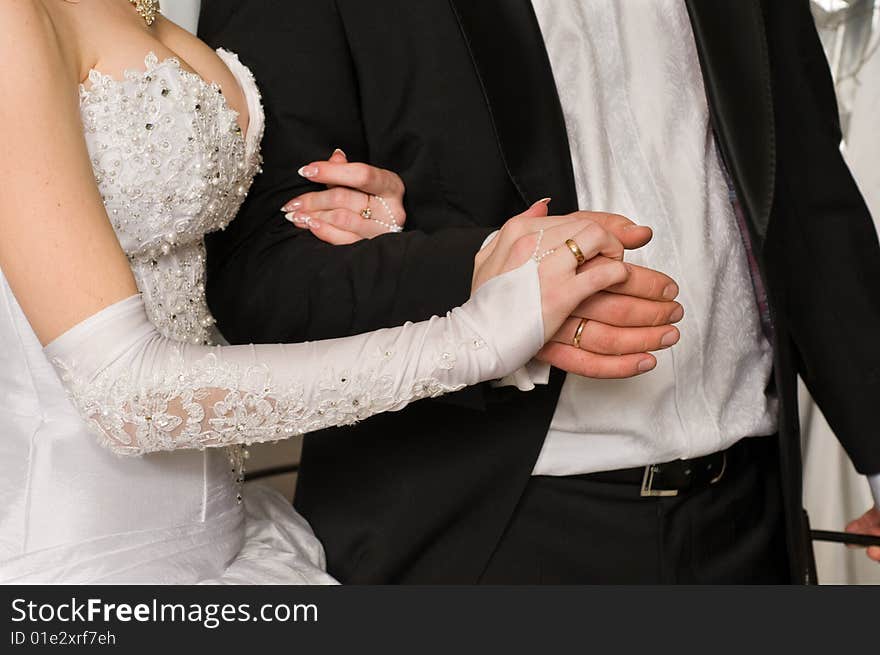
[{"x": 850, "y": 538}]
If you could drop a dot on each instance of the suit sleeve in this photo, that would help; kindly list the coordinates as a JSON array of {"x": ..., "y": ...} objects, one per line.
[
  {"x": 269, "y": 282},
  {"x": 826, "y": 245}
]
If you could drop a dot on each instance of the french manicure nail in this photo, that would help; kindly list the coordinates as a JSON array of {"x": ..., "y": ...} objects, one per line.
[
  {"x": 308, "y": 171},
  {"x": 340, "y": 151},
  {"x": 290, "y": 216},
  {"x": 669, "y": 339},
  {"x": 546, "y": 201},
  {"x": 292, "y": 206},
  {"x": 646, "y": 365},
  {"x": 676, "y": 315},
  {"x": 670, "y": 292}
]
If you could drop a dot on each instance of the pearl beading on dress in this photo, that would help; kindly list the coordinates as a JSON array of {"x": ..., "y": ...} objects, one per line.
[{"x": 171, "y": 164}]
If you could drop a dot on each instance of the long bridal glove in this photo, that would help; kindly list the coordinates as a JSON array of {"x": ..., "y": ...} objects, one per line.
[{"x": 142, "y": 392}]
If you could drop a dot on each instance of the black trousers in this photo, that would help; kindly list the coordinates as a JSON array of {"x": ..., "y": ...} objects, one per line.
[{"x": 576, "y": 530}]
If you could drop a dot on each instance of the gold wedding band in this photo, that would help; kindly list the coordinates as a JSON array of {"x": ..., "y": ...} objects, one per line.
[
  {"x": 572, "y": 245},
  {"x": 366, "y": 212},
  {"x": 576, "y": 341}
]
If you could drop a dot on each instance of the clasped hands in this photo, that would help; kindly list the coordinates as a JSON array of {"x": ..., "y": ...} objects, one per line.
[{"x": 622, "y": 312}]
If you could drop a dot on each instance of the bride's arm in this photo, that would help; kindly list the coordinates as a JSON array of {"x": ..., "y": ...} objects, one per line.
[
  {"x": 142, "y": 392},
  {"x": 58, "y": 250}
]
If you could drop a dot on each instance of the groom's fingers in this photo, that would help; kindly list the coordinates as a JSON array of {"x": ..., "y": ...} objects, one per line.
[
  {"x": 592, "y": 365},
  {"x": 605, "y": 339},
  {"x": 628, "y": 311},
  {"x": 647, "y": 283}
]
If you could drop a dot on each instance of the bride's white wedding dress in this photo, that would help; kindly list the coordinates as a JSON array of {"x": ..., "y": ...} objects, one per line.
[{"x": 172, "y": 165}]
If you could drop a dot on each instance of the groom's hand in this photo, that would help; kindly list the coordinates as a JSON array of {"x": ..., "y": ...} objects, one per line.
[{"x": 621, "y": 326}]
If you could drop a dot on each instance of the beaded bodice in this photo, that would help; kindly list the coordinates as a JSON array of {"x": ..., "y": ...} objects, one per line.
[{"x": 172, "y": 165}]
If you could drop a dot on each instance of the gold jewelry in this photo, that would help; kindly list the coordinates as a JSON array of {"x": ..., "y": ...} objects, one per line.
[
  {"x": 147, "y": 9},
  {"x": 366, "y": 212},
  {"x": 572, "y": 245},
  {"x": 576, "y": 342}
]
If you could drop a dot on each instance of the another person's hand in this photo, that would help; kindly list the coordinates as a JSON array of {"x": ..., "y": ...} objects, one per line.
[
  {"x": 615, "y": 328},
  {"x": 868, "y": 523},
  {"x": 360, "y": 202}
]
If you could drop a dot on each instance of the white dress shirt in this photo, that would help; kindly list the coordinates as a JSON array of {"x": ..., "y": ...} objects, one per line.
[{"x": 641, "y": 143}]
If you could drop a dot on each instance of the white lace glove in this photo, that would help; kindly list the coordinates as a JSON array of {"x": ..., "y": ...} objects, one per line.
[{"x": 142, "y": 392}]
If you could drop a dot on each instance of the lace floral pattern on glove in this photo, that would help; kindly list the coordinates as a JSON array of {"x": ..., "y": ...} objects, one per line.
[{"x": 213, "y": 403}]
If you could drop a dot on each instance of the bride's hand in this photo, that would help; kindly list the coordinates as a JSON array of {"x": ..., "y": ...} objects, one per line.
[
  {"x": 360, "y": 202},
  {"x": 622, "y": 321},
  {"x": 565, "y": 283}
]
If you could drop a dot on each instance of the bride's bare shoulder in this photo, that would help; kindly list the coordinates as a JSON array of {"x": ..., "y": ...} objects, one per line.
[
  {"x": 25, "y": 18},
  {"x": 37, "y": 41}
]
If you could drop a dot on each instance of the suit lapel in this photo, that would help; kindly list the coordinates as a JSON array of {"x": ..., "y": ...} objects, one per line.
[
  {"x": 508, "y": 51},
  {"x": 732, "y": 45}
]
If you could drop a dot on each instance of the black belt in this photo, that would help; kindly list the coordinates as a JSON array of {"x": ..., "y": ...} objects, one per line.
[{"x": 672, "y": 478}]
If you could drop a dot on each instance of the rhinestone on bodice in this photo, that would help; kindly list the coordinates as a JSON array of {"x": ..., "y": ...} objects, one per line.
[{"x": 172, "y": 165}]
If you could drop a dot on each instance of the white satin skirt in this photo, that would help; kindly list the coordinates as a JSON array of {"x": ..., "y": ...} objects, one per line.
[
  {"x": 74, "y": 513},
  {"x": 264, "y": 542}
]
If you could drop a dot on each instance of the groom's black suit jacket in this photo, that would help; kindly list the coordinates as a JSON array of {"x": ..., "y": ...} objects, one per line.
[{"x": 458, "y": 97}]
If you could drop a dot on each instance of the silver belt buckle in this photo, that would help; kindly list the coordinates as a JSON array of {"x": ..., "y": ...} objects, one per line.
[
  {"x": 648, "y": 490},
  {"x": 648, "y": 485}
]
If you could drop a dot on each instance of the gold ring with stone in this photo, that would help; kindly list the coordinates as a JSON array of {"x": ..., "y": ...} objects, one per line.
[
  {"x": 576, "y": 341},
  {"x": 572, "y": 245}
]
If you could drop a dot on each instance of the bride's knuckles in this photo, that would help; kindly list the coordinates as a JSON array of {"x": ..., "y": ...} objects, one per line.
[
  {"x": 333, "y": 235},
  {"x": 344, "y": 219},
  {"x": 630, "y": 234},
  {"x": 522, "y": 249},
  {"x": 604, "y": 274},
  {"x": 596, "y": 240}
]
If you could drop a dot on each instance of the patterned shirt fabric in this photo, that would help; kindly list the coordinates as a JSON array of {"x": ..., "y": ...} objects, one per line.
[{"x": 642, "y": 145}]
